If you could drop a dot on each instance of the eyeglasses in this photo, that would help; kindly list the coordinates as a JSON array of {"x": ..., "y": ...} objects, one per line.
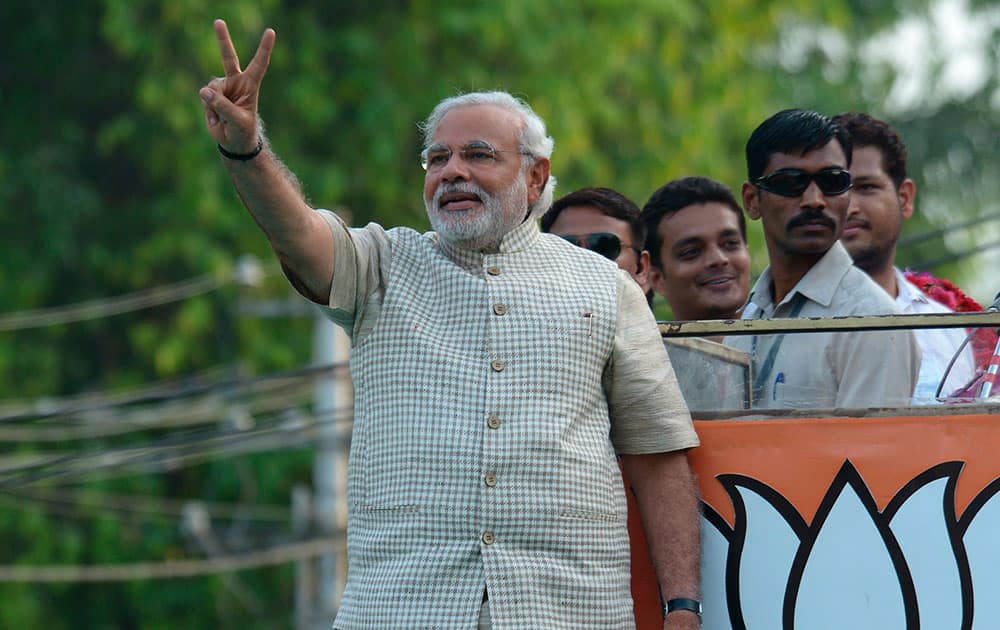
[
  {"x": 478, "y": 153},
  {"x": 792, "y": 182},
  {"x": 604, "y": 243}
]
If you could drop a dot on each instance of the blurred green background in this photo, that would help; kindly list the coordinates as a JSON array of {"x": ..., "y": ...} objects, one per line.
[{"x": 109, "y": 185}]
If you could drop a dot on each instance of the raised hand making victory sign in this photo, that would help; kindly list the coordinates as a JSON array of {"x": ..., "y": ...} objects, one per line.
[{"x": 231, "y": 101}]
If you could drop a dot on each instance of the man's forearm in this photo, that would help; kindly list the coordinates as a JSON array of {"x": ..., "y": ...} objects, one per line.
[
  {"x": 299, "y": 237},
  {"x": 668, "y": 505},
  {"x": 270, "y": 192}
]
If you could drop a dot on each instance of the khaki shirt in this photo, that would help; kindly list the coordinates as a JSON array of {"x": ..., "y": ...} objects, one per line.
[
  {"x": 492, "y": 392},
  {"x": 830, "y": 370}
]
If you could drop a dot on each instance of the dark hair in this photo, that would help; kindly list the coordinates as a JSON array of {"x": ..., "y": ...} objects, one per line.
[
  {"x": 608, "y": 201},
  {"x": 867, "y": 131},
  {"x": 678, "y": 194},
  {"x": 791, "y": 131}
]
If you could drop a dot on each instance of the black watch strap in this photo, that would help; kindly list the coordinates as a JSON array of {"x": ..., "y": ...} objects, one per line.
[
  {"x": 682, "y": 603},
  {"x": 242, "y": 157}
]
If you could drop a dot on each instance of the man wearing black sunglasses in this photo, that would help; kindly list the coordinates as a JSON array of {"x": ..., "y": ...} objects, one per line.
[
  {"x": 799, "y": 188},
  {"x": 605, "y": 222}
]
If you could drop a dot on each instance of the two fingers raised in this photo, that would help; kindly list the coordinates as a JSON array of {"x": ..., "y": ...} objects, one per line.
[
  {"x": 233, "y": 97},
  {"x": 231, "y": 61}
]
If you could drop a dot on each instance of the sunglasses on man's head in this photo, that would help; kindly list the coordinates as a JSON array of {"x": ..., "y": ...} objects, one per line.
[
  {"x": 792, "y": 182},
  {"x": 604, "y": 243}
]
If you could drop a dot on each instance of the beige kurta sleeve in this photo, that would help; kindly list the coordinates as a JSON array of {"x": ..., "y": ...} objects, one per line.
[
  {"x": 362, "y": 257},
  {"x": 648, "y": 413}
]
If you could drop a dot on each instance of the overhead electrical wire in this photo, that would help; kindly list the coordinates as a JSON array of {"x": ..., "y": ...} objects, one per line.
[
  {"x": 278, "y": 554},
  {"x": 184, "y": 449},
  {"x": 230, "y": 386},
  {"x": 908, "y": 241},
  {"x": 111, "y": 422},
  {"x": 940, "y": 260},
  {"x": 106, "y": 307},
  {"x": 247, "y": 271},
  {"x": 141, "y": 506}
]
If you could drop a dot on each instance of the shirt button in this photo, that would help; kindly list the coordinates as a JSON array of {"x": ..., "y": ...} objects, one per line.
[
  {"x": 493, "y": 270},
  {"x": 499, "y": 309},
  {"x": 493, "y": 422},
  {"x": 488, "y": 538},
  {"x": 498, "y": 366},
  {"x": 491, "y": 480}
]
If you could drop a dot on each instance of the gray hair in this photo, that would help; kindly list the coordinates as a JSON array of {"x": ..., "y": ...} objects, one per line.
[{"x": 534, "y": 141}]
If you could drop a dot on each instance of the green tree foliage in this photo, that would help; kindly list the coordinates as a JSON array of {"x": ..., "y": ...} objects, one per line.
[{"x": 109, "y": 184}]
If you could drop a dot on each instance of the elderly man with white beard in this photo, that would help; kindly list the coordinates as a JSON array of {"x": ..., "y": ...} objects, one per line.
[{"x": 498, "y": 371}]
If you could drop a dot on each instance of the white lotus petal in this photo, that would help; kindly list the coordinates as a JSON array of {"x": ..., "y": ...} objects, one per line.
[
  {"x": 867, "y": 597},
  {"x": 984, "y": 564},
  {"x": 922, "y": 532},
  {"x": 714, "y": 551},
  {"x": 768, "y": 550}
]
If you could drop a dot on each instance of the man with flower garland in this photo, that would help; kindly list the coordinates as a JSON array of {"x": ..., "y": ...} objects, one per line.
[{"x": 882, "y": 197}]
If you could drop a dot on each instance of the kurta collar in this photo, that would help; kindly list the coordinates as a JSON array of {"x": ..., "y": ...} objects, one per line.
[{"x": 517, "y": 240}]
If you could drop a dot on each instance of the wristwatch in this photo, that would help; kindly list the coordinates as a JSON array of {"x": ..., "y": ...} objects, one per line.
[{"x": 682, "y": 603}]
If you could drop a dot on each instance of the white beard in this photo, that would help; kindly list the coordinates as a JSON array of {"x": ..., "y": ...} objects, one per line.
[{"x": 483, "y": 231}]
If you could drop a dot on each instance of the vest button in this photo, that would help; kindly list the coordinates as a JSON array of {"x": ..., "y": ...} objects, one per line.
[
  {"x": 493, "y": 270},
  {"x": 491, "y": 480},
  {"x": 500, "y": 309},
  {"x": 493, "y": 422},
  {"x": 488, "y": 538},
  {"x": 498, "y": 366}
]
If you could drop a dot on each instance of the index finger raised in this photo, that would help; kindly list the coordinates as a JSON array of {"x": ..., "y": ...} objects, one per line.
[{"x": 230, "y": 62}]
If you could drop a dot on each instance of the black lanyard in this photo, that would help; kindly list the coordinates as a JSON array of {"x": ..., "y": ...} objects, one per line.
[{"x": 797, "y": 303}]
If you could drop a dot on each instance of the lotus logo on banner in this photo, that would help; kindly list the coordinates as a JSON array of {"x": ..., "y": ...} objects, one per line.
[{"x": 913, "y": 564}]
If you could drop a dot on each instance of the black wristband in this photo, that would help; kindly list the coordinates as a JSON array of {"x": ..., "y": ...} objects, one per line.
[
  {"x": 242, "y": 157},
  {"x": 682, "y": 603}
]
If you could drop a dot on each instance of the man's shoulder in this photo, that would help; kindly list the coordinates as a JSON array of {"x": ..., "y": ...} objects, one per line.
[
  {"x": 858, "y": 294},
  {"x": 917, "y": 301}
]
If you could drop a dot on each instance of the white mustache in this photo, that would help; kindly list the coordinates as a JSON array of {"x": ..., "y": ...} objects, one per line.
[{"x": 465, "y": 187}]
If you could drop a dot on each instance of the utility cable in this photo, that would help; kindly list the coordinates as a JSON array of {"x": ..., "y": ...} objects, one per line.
[
  {"x": 48, "y": 405},
  {"x": 141, "y": 506},
  {"x": 936, "y": 262},
  {"x": 247, "y": 271},
  {"x": 230, "y": 386},
  {"x": 279, "y": 554},
  {"x": 178, "y": 414},
  {"x": 186, "y": 449},
  {"x": 954, "y": 227},
  {"x": 106, "y": 307}
]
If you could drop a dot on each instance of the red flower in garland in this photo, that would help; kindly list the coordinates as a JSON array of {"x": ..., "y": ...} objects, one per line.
[{"x": 984, "y": 340}]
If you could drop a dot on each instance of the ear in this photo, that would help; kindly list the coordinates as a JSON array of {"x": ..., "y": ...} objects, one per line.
[
  {"x": 751, "y": 200},
  {"x": 907, "y": 195},
  {"x": 654, "y": 278},
  {"x": 642, "y": 271},
  {"x": 536, "y": 178}
]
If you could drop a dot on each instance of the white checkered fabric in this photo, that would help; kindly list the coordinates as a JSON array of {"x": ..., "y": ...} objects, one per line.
[{"x": 482, "y": 448}]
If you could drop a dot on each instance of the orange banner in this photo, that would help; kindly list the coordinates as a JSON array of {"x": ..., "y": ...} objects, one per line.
[{"x": 906, "y": 499}]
